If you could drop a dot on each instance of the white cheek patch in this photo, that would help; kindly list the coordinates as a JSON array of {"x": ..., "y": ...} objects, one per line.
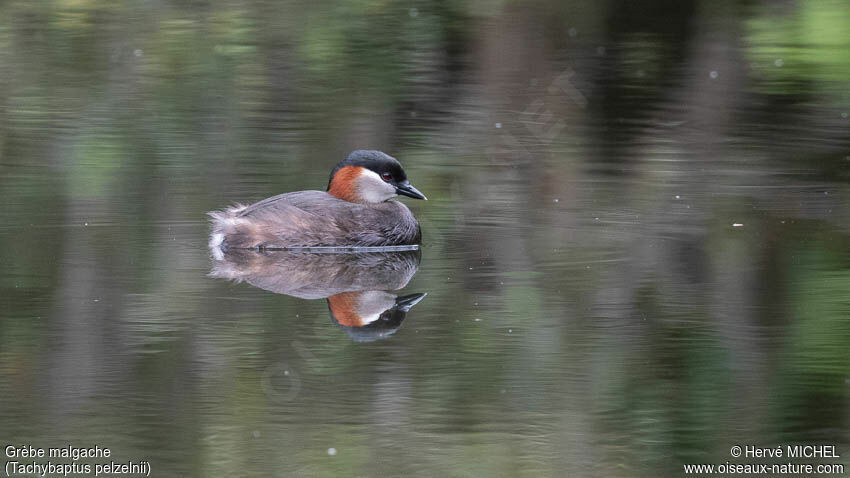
[
  {"x": 371, "y": 304},
  {"x": 371, "y": 188}
]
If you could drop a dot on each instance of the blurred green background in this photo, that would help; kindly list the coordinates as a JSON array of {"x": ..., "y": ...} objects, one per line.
[{"x": 635, "y": 244}]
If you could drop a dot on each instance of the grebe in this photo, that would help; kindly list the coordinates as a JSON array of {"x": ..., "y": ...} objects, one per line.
[{"x": 357, "y": 210}]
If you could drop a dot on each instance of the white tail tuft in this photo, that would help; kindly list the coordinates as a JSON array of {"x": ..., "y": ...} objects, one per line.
[{"x": 224, "y": 223}]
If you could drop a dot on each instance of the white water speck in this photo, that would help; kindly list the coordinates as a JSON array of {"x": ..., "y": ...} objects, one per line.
[
  {"x": 498, "y": 125},
  {"x": 713, "y": 75},
  {"x": 256, "y": 433},
  {"x": 138, "y": 52},
  {"x": 678, "y": 197},
  {"x": 779, "y": 62},
  {"x": 332, "y": 451},
  {"x": 737, "y": 224},
  {"x": 556, "y": 200},
  {"x": 478, "y": 320},
  {"x": 413, "y": 12},
  {"x": 510, "y": 331}
]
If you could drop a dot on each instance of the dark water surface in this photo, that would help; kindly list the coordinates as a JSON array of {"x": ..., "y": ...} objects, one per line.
[{"x": 635, "y": 246}]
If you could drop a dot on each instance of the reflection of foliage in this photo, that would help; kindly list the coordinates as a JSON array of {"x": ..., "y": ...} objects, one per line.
[
  {"x": 816, "y": 363},
  {"x": 803, "y": 42},
  {"x": 672, "y": 390},
  {"x": 820, "y": 337},
  {"x": 94, "y": 165}
]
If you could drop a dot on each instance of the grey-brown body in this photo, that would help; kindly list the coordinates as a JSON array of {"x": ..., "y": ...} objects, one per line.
[{"x": 313, "y": 218}]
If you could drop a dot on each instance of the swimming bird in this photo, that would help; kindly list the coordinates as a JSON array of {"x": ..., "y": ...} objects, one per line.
[{"x": 356, "y": 210}]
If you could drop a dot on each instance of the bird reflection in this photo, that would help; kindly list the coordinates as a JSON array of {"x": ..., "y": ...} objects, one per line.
[{"x": 356, "y": 285}]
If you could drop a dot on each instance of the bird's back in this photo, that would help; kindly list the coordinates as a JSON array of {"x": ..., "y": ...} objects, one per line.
[{"x": 313, "y": 218}]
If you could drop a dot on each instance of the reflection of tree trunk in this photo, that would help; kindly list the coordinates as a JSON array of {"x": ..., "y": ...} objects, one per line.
[
  {"x": 527, "y": 109},
  {"x": 389, "y": 408},
  {"x": 82, "y": 324},
  {"x": 76, "y": 328},
  {"x": 712, "y": 90},
  {"x": 715, "y": 91},
  {"x": 703, "y": 105}
]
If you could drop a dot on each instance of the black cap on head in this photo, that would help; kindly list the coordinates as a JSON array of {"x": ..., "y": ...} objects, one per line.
[{"x": 374, "y": 160}]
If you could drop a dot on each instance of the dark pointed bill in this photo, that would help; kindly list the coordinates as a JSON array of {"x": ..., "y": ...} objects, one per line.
[
  {"x": 405, "y": 302},
  {"x": 407, "y": 189}
]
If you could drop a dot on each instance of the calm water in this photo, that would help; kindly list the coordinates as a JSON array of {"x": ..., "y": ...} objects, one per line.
[{"x": 635, "y": 246}]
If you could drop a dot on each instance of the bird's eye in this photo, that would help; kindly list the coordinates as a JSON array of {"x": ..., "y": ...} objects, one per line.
[{"x": 387, "y": 177}]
